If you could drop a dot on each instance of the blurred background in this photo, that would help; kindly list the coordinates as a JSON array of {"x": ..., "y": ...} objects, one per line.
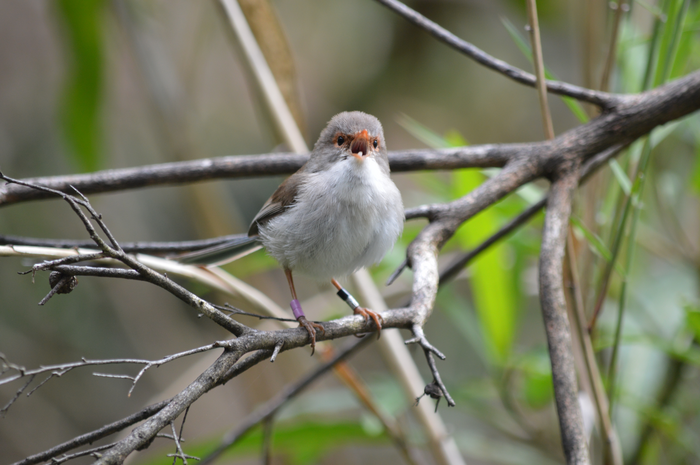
[{"x": 96, "y": 84}]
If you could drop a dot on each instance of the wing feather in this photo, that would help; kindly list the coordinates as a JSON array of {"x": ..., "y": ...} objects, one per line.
[{"x": 283, "y": 198}]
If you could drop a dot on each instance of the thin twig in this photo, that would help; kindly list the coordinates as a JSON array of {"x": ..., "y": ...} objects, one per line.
[
  {"x": 59, "y": 370},
  {"x": 19, "y": 392},
  {"x": 420, "y": 339},
  {"x": 93, "y": 452},
  {"x": 117, "y": 253}
]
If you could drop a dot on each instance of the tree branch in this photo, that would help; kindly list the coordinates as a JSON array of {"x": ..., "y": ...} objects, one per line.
[
  {"x": 245, "y": 166},
  {"x": 555, "y": 320},
  {"x": 143, "y": 434}
]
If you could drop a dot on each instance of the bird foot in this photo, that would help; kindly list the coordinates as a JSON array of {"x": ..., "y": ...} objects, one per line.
[
  {"x": 367, "y": 314},
  {"x": 311, "y": 328}
]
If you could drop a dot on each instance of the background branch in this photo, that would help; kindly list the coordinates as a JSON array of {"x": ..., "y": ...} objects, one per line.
[{"x": 601, "y": 99}]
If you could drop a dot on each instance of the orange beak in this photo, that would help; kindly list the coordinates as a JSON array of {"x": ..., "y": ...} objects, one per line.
[{"x": 360, "y": 145}]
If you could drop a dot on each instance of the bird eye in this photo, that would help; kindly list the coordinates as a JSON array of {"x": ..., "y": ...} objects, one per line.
[
  {"x": 375, "y": 143},
  {"x": 341, "y": 139}
]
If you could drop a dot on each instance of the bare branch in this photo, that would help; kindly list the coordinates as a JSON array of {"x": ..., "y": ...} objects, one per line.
[
  {"x": 420, "y": 339},
  {"x": 177, "y": 437},
  {"x": 141, "y": 435},
  {"x": 273, "y": 405},
  {"x": 555, "y": 320},
  {"x": 117, "y": 253},
  {"x": 72, "y": 270},
  {"x": 422, "y": 252},
  {"x": 245, "y": 166},
  {"x": 19, "y": 392},
  {"x": 60, "y": 370},
  {"x": 154, "y": 248},
  {"x": 455, "y": 267},
  {"x": 93, "y": 452}
]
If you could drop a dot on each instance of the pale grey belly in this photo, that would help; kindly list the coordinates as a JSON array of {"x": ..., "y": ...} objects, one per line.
[{"x": 325, "y": 243}]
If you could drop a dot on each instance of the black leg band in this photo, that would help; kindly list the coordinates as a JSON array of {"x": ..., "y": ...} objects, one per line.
[{"x": 349, "y": 299}]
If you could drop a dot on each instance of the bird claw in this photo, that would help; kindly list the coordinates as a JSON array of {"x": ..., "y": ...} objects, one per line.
[
  {"x": 376, "y": 317},
  {"x": 311, "y": 328}
]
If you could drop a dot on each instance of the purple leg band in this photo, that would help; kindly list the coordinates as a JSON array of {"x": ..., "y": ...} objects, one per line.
[{"x": 296, "y": 309}]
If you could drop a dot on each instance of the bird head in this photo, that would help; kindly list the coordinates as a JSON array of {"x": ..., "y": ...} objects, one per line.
[{"x": 354, "y": 136}]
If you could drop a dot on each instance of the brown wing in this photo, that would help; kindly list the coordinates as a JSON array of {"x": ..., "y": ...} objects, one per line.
[{"x": 281, "y": 199}]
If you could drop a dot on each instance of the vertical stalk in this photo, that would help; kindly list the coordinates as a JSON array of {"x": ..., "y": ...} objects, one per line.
[
  {"x": 638, "y": 188},
  {"x": 539, "y": 68},
  {"x": 611, "y": 445},
  {"x": 621, "y": 6}
]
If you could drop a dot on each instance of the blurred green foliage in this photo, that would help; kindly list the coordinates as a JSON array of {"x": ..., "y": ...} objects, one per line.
[
  {"x": 299, "y": 442},
  {"x": 491, "y": 281},
  {"x": 84, "y": 23}
]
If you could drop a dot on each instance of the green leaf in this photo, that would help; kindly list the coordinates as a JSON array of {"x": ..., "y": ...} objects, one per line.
[
  {"x": 492, "y": 285},
  {"x": 596, "y": 243},
  {"x": 462, "y": 319},
  {"x": 537, "y": 389},
  {"x": 83, "y": 24},
  {"x": 683, "y": 63},
  {"x": 422, "y": 133},
  {"x": 670, "y": 39},
  {"x": 455, "y": 139},
  {"x": 621, "y": 176},
  {"x": 692, "y": 317}
]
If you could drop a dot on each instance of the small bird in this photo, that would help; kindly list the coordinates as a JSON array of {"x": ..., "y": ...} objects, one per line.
[{"x": 340, "y": 212}]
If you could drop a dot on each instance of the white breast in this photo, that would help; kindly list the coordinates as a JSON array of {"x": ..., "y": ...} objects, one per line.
[{"x": 345, "y": 218}]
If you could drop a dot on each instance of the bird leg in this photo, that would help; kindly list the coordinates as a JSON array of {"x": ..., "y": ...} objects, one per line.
[
  {"x": 310, "y": 326},
  {"x": 352, "y": 303}
]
